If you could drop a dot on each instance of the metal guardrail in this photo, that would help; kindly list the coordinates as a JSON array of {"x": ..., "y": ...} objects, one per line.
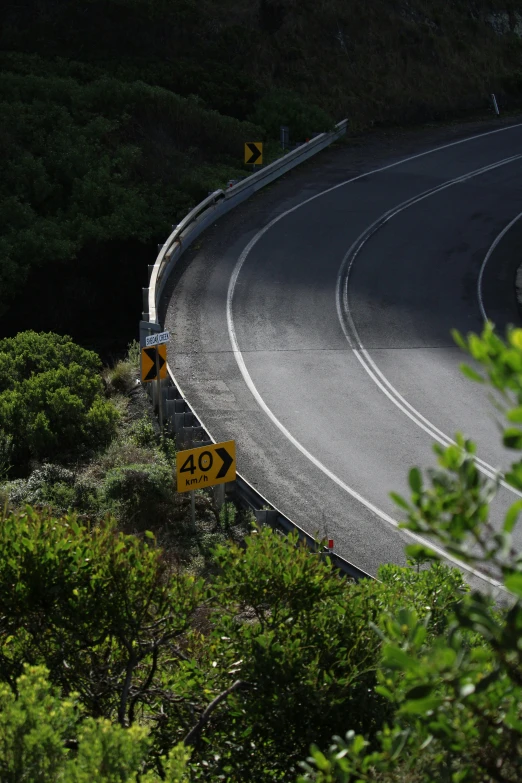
[
  {"x": 167, "y": 254},
  {"x": 219, "y": 203},
  {"x": 216, "y": 204}
]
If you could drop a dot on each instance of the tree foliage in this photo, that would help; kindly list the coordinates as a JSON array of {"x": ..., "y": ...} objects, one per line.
[
  {"x": 293, "y": 640},
  {"x": 51, "y": 399},
  {"x": 246, "y": 670},
  {"x": 93, "y": 161},
  {"x": 47, "y": 739},
  {"x": 285, "y": 107},
  {"x": 99, "y": 609}
]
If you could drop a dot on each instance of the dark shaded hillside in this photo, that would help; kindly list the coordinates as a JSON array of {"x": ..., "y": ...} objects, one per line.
[
  {"x": 118, "y": 115},
  {"x": 377, "y": 61}
]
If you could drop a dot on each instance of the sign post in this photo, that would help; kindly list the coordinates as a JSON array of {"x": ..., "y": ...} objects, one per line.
[
  {"x": 193, "y": 508},
  {"x": 155, "y": 354},
  {"x": 205, "y": 466},
  {"x": 158, "y": 392}
]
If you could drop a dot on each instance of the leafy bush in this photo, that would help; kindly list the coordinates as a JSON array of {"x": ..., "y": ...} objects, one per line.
[
  {"x": 296, "y": 638},
  {"x": 51, "y": 398},
  {"x": 139, "y": 494},
  {"x": 284, "y": 107},
  {"x": 46, "y": 739},
  {"x": 57, "y": 487},
  {"x": 36, "y": 489},
  {"x": 134, "y": 354},
  {"x": 279, "y": 640},
  {"x": 99, "y": 609},
  {"x": 94, "y": 162},
  {"x": 142, "y": 433}
]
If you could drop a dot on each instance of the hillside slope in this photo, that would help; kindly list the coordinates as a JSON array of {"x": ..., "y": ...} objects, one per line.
[
  {"x": 118, "y": 115},
  {"x": 378, "y": 61}
]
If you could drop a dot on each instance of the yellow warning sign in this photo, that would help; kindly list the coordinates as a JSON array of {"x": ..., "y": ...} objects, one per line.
[
  {"x": 206, "y": 466},
  {"x": 254, "y": 152},
  {"x": 148, "y": 362}
]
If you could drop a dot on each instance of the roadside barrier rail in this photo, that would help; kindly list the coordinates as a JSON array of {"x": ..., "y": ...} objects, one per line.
[
  {"x": 219, "y": 203},
  {"x": 182, "y": 418}
]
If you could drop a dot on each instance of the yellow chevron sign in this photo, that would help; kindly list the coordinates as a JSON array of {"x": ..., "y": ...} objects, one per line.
[
  {"x": 148, "y": 362},
  {"x": 254, "y": 152}
]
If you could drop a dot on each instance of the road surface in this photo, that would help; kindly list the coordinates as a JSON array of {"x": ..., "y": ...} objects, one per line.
[{"x": 312, "y": 325}]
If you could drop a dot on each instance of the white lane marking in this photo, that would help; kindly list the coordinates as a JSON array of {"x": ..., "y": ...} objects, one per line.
[
  {"x": 271, "y": 415},
  {"x": 250, "y": 384},
  {"x": 486, "y": 259},
  {"x": 359, "y": 350}
]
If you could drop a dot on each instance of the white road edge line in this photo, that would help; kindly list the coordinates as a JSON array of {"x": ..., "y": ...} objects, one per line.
[
  {"x": 249, "y": 382},
  {"x": 362, "y": 354},
  {"x": 486, "y": 259}
]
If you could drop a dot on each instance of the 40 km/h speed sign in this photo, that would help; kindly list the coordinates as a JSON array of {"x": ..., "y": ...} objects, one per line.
[{"x": 206, "y": 466}]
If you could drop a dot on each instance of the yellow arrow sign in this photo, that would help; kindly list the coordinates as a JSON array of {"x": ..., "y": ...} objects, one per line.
[
  {"x": 206, "y": 466},
  {"x": 148, "y": 362},
  {"x": 254, "y": 152}
]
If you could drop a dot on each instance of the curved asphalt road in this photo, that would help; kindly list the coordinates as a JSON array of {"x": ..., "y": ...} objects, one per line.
[{"x": 339, "y": 311}]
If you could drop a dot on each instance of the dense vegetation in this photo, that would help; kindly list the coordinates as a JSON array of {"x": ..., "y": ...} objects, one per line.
[
  {"x": 76, "y": 436},
  {"x": 134, "y": 647},
  {"x": 117, "y": 115},
  {"x": 287, "y": 644},
  {"x": 146, "y": 663}
]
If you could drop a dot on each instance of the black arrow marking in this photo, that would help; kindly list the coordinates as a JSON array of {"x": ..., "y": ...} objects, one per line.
[
  {"x": 255, "y": 153},
  {"x": 161, "y": 362},
  {"x": 151, "y": 353},
  {"x": 227, "y": 462}
]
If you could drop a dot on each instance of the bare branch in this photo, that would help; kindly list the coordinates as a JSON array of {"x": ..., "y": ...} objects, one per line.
[
  {"x": 145, "y": 686},
  {"x": 211, "y": 707},
  {"x": 125, "y": 692}
]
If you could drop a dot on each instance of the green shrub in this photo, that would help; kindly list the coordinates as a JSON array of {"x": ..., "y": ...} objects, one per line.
[
  {"x": 95, "y": 162},
  {"x": 121, "y": 378},
  {"x": 134, "y": 354},
  {"x": 300, "y": 638},
  {"x": 139, "y": 494},
  {"x": 123, "y": 451},
  {"x": 51, "y": 398},
  {"x": 56, "y": 487},
  {"x": 142, "y": 433},
  {"x": 96, "y": 607},
  {"x": 284, "y": 107},
  {"x": 45, "y": 739}
]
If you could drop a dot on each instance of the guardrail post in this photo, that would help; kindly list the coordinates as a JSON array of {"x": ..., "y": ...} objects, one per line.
[
  {"x": 170, "y": 408},
  {"x": 266, "y": 517},
  {"x": 219, "y": 495}
]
